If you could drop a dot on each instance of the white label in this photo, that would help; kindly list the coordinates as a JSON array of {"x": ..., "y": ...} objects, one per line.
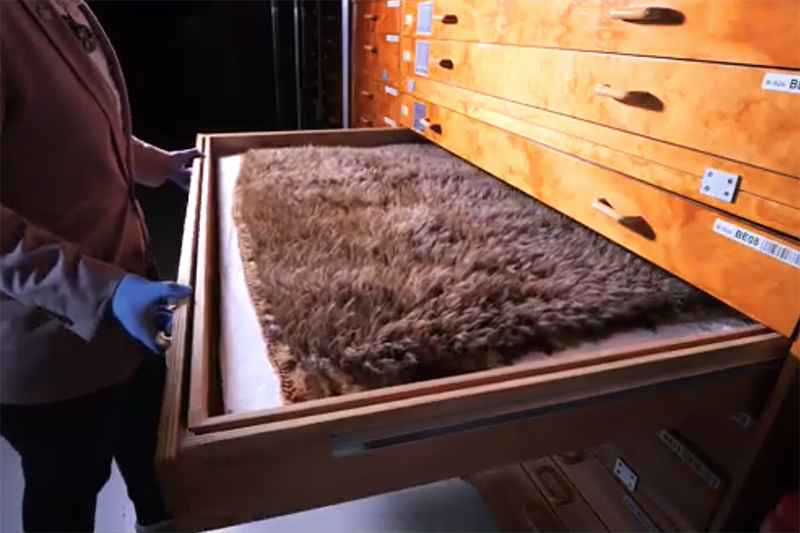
[
  {"x": 697, "y": 466},
  {"x": 403, "y": 110},
  {"x": 406, "y": 55},
  {"x": 424, "y": 18},
  {"x": 390, "y": 90},
  {"x": 390, "y": 122},
  {"x": 786, "y": 83},
  {"x": 392, "y": 3},
  {"x": 625, "y": 474},
  {"x": 390, "y": 38},
  {"x": 408, "y": 19},
  {"x": 758, "y": 242}
]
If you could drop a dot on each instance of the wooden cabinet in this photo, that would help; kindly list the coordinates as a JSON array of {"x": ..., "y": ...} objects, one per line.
[{"x": 671, "y": 130}]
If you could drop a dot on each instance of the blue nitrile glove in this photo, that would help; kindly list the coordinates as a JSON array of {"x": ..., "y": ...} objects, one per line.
[{"x": 135, "y": 302}]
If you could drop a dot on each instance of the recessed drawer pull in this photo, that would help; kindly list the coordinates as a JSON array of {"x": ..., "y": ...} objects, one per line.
[
  {"x": 611, "y": 92},
  {"x": 365, "y": 120},
  {"x": 572, "y": 458},
  {"x": 563, "y": 493},
  {"x": 635, "y": 13},
  {"x": 448, "y": 18},
  {"x": 366, "y": 94},
  {"x": 602, "y": 206},
  {"x": 428, "y": 125},
  {"x": 446, "y": 63},
  {"x": 371, "y": 48},
  {"x": 370, "y": 16}
]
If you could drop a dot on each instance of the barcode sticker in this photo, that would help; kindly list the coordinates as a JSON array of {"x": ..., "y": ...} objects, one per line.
[
  {"x": 390, "y": 122},
  {"x": 786, "y": 83},
  {"x": 758, "y": 242},
  {"x": 391, "y": 38},
  {"x": 697, "y": 466},
  {"x": 390, "y": 90}
]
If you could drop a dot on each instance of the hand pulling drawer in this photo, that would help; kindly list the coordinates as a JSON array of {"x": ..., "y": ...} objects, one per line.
[
  {"x": 764, "y": 32},
  {"x": 655, "y": 98},
  {"x": 743, "y": 266}
]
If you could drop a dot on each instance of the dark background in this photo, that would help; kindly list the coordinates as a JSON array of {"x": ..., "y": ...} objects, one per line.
[{"x": 221, "y": 66}]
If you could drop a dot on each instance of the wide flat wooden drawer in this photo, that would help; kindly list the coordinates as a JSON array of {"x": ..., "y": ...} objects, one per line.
[
  {"x": 766, "y": 198},
  {"x": 378, "y": 56},
  {"x": 376, "y": 104},
  {"x": 761, "y": 32},
  {"x": 221, "y": 469},
  {"x": 377, "y": 16},
  {"x": 730, "y": 259},
  {"x": 728, "y": 114}
]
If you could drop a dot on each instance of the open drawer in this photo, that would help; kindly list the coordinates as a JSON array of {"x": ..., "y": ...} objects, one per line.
[{"x": 222, "y": 468}]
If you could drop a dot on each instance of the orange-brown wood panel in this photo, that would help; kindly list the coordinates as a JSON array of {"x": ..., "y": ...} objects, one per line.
[
  {"x": 376, "y": 104},
  {"x": 378, "y": 56},
  {"x": 767, "y": 198},
  {"x": 377, "y": 16},
  {"x": 720, "y": 109},
  {"x": 760, "y": 32},
  {"x": 696, "y": 243}
]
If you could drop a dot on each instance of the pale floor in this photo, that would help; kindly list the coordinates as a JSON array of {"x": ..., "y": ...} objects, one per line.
[{"x": 446, "y": 506}]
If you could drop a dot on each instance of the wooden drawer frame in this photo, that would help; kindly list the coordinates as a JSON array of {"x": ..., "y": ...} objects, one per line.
[{"x": 219, "y": 470}]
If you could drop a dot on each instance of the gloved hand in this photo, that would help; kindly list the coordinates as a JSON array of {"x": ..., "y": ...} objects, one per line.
[
  {"x": 180, "y": 166},
  {"x": 136, "y": 301}
]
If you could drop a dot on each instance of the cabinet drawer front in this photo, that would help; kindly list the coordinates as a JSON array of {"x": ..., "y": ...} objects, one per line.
[
  {"x": 722, "y": 440},
  {"x": 729, "y": 114},
  {"x": 377, "y": 16},
  {"x": 666, "y": 481},
  {"x": 376, "y": 104},
  {"x": 762, "y": 32},
  {"x": 767, "y": 198},
  {"x": 692, "y": 241},
  {"x": 378, "y": 58}
]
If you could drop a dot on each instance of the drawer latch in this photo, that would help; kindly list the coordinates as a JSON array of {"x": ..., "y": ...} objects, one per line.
[{"x": 719, "y": 184}]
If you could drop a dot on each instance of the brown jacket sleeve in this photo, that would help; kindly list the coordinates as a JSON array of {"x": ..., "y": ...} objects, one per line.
[
  {"x": 150, "y": 164},
  {"x": 38, "y": 268}
]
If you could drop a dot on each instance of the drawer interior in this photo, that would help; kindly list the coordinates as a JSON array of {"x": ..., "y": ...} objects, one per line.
[{"x": 210, "y": 444}]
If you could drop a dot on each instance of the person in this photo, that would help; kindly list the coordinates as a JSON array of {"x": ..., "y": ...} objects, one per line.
[{"x": 81, "y": 378}]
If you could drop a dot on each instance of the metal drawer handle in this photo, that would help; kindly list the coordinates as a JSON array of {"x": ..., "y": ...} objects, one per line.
[
  {"x": 572, "y": 458},
  {"x": 446, "y": 63},
  {"x": 371, "y": 48},
  {"x": 610, "y": 92},
  {"x": 371, "y": 16},
  {"x": 428, "y": 125},
  {"x": 635, "y": 13},
  {"x": 602, "y": 206},
  {"x": 365, "y": 120},
  {"x": 366, "y": 94},
  {"x": 448, "y": 18},
  {"x": 563, "y": 493}
]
